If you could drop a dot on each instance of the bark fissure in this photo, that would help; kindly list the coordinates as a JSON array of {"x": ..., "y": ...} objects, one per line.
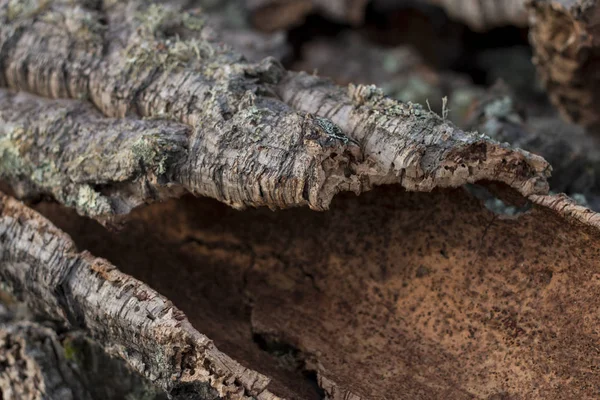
[{"x": 221, "y": 132}]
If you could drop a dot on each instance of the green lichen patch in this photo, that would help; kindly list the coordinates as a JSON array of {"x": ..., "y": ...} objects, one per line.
[{"x": 374, "y": 97}]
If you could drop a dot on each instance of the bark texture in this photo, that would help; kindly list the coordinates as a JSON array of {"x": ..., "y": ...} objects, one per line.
[
  {"x": 41, "y": 265},
  {"x": 34, "y": 365},
  {"x": 427, "y": 295},
  {"x": 182, "y": 113},
  {"x": 39, "y": 364},
  {"x": 566, "y": 43},
  {"x": 573, "y": 154}
]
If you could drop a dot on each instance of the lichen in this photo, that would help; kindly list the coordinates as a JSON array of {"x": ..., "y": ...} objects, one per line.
[
  {"x": 90, "y": 201},
  {"x": 152, "y": 48},
  {"x": 332, "y": 130},
  {"x": 375, "y": 98},
  {"x": 152, "y": 152}
]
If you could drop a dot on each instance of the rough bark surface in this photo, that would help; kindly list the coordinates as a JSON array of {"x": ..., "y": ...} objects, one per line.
[
  {"x": 428, "y": 295},
  {"x": 415, "y": 290},
  {"x": 34, "y": 366},
  {"x": 566, "y": 42},
  {"x": 42, "y": 266},
  {"x": 573, "y": 154},
  {"x": 39, "y": 364},
  {"x": 245, "y": 134}
]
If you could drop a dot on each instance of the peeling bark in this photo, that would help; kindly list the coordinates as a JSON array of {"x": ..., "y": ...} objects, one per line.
[
  {"x": 426, "y": 294},
  {"x": 565, "y": 40},
  {"x": 42, "y": 266},
  {"x": 229, "y": 129},
  {"x": 573, "y": 154},
  {"x": 416, "y": 290}
]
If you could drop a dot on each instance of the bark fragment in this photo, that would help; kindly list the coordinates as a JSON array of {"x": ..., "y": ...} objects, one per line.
[
  {"x": 426, "y": 294},
  {"x": 41, "y": 265},
  {"x": 565, "y": 40},
  {"x": 245, "y": 134},
  {"x": 573, "y": 154}
]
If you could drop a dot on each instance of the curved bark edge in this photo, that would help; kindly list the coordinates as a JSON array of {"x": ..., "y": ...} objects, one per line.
[{"x": 42, "y": 266}]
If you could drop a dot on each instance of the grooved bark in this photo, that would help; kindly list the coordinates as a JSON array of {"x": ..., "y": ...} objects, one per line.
[
  {"x": 566, "y": 45},
  {"x": 42, "y": 266},
  {"x": 573, "y": 154},
  {"x": 245, "y": 134}
]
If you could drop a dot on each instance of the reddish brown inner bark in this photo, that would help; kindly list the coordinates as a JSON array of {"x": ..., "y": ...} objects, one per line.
[{"x": 419, "y": 295}]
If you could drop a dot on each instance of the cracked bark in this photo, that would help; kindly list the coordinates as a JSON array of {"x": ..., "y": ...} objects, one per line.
[
  {"x": 565, "y": 40},
  {"x": 228, "y": 129},
  {"x": 391, "y": 292}
]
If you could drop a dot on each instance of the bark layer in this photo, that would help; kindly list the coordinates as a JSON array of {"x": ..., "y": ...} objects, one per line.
[
  {"x": 42, "y": 266},
  {"x": 566, "y": 44},
  {"x": 426, "y": 294},
  {"x": 245, "y": 134}
]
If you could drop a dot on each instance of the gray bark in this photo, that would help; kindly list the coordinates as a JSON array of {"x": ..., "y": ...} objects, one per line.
[
  {"x": 41, "y": 266},
  {"x": 573, "y": 154},
  {"x": 245, "y": 134}
]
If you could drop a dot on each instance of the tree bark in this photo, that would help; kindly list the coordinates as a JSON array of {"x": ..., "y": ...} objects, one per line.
[
  {"x": 565, "y": 41},
  {"x": 573, "y": 154},
  {"x": 245, "y": 134},
  {"x": 419, "y": 295},
  {"x": 38, "y": 364},
  {"x": 42, "y": 266}
]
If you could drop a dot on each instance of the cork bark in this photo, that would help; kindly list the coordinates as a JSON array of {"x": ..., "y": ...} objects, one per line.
[
  {"x": 41, "y": 265},
  {"x": 571, "y": 151},
  {"x": 565, "y": 41},
  {"x": 416, "y": 291},
  {"x": 137, "y": 112},
  {"x": 184, "y": 113}
]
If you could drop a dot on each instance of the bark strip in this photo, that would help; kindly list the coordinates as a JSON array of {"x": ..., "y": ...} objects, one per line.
[
  {"x": 256, "y": 134},
  {"x": 566, "y": 43},
  {"x": 41, "y": 265}
]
